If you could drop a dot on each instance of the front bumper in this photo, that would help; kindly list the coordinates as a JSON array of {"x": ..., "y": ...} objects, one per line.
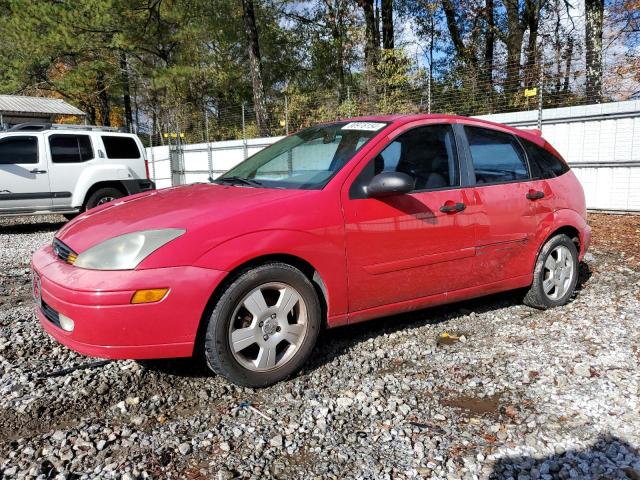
[{"x": 106, "y": 324}]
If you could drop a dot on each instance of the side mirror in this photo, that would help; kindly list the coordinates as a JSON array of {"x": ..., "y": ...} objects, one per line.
[{"x": 390, "y": 183}]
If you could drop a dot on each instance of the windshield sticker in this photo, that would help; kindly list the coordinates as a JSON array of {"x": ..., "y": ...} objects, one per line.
[{"x": 368, "y": 126}]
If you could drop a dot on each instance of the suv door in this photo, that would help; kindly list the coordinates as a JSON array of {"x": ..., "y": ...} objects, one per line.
[
  {"x": 506, "y": 220},
  {"x": 24, "y": 180},
  {"x": 404, "y": 247},
  {"x": 69, "y": 153}
]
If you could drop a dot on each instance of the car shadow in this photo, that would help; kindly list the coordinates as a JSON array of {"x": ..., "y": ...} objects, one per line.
[
  {"x": 608, "y": 457},
  {"x": 332, "y": 343},
  {"x": 38, "y": 227}
]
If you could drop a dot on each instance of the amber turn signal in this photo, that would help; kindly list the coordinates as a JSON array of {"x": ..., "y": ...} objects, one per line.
[{"x": 149, "y": 296}]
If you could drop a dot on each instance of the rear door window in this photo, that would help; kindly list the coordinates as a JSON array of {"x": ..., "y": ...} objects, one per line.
[
  {"x": 497, "y": 157},
  {"x": 543, "y": 163},
  {"x": 120, "y": 147},
  {"x": 19, "y": 150},
  {"x": 70, "y": 148}
]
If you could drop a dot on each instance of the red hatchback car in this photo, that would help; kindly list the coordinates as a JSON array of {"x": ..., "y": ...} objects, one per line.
[{"x": 335, "y": 224}]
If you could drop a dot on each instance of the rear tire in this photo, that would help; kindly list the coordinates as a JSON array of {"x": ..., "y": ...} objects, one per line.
[
  {"x": 103, "y": 195},
  {"x": 555, "y": 275},
  {"x": 264, "y": 326}
]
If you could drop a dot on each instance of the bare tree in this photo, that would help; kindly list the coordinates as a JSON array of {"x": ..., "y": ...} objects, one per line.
[
  {"x": 371, "y": 31},
  {"x": 126, "y": 89},
  {"x": 594, "y": 13},
  {"x": 489, "y": 45},
  {"x": 253, "y": 48},
  {"x": 387, "y": 24}
]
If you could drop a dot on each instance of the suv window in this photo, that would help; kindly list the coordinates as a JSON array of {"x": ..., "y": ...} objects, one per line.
[
  {"x": 497, "y": 157},
  {"x": 120, "y": 147},
  {"x": 23, "y": 149},
  {"x": 543, "y": 163},
  {"x": 70, "y": 148}
]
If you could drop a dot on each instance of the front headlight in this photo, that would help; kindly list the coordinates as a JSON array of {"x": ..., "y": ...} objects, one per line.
[{"x": 126, "y": 251}]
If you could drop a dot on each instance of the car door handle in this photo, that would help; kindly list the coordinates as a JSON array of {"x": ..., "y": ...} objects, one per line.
[
  {"x": 535, "y": 194},
  {"x": 35, "y": 170},
  {"x": 452, "y": 207}
]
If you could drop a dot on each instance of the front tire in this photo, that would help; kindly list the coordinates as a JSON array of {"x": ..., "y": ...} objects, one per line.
[
  {"x": 555, "y": 275},
  {"x": 103, "y": 195},
  {"x": 264, "y": 326}
]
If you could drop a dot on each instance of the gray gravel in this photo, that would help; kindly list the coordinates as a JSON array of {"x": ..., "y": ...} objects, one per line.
[{"x": 512, "y": 393}]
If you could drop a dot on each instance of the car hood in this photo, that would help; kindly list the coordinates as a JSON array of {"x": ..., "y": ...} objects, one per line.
[{"x": 189, "y": 207}]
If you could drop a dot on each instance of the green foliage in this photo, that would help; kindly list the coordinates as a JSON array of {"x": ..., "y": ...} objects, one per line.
[{"x": 178, "y": 60}]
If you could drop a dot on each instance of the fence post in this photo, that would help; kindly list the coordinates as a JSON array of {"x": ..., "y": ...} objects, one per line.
[
  {"x": 209, "y": 151},
  {"x": 153, "y": 156},
  {"x": 244, "y": 135},
  {"x": 429, "y": 94},
  {"x": 286, "y": 115},
  {"x": 540, "y": 85}
]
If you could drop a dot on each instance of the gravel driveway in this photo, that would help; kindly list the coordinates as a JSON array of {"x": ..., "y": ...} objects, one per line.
[{"x": 508, "y": 391}]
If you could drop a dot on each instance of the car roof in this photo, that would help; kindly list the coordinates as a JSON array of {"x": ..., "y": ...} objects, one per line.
[{"x": 399, "y": 119}]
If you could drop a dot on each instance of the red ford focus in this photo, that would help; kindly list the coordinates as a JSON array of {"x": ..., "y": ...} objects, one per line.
[{"x": 336, "y": 224}]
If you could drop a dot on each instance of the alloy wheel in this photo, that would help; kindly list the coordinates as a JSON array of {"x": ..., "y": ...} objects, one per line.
[
  {"x": 268, "y": 327},
  {"x": 558, "y": 272}
]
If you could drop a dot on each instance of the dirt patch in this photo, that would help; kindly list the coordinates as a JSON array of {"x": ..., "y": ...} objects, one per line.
[
  {"x": 617, "y": 234},
  {"x": 476, "y": 406}
]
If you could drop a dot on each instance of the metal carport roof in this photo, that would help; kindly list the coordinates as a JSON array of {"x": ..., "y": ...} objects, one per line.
[{"x": 15, "y": 104}]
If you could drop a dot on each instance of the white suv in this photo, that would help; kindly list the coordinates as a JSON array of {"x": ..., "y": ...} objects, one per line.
[{"x": 67, "y": 168}]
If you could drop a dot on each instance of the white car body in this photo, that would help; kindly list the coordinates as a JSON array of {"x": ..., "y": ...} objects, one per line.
[{"x": 56, "y": 177}]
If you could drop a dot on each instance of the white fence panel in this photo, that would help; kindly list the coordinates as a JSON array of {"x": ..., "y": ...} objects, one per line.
[{"x": 600, "y": 142}]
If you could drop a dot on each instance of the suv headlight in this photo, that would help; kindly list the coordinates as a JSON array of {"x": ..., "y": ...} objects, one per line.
[{"x": 125, "y": 252}]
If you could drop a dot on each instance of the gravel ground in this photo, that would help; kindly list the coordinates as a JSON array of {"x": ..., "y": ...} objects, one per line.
[{"x": 511, "y": 392}]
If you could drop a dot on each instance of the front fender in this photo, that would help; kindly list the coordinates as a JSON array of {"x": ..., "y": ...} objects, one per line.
[
  {"x": 326, "y": 256},
  {"x": 98, "y": 173},
  {"x": 553, "y": 221}
]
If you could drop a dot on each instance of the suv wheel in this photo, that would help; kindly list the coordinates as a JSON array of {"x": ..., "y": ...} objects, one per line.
[
  {"x": 264, "y": 326},
  {"x": 103, "y": 195},
  {"x": 555, "y": 275}
]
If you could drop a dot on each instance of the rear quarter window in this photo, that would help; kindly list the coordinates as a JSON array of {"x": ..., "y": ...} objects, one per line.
[
  {"x": 544, "y": 164},
  {"x": 120, "y": 147},
  {"x": 497, "y": 157}
]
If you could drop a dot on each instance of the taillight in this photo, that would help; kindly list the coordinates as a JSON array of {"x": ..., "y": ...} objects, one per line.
[{"x": 146, "y": 167}]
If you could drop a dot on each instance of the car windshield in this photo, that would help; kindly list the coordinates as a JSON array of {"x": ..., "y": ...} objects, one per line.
[{"x": 305, "y": 160}]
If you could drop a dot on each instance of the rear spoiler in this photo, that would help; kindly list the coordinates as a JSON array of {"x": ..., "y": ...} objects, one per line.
[{"x": 532, "y": 131}]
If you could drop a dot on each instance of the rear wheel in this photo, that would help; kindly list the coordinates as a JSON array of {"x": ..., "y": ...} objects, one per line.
[
  {"x": 264, "y": 326},
  {"x": 102, "y": 196},
  {"x": 555, "y": 275}
]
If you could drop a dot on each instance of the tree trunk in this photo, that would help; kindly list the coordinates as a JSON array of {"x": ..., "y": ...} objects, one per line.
[
  {"x": 387, "y": 24},
  {"x": 515, "y": 34},
  {"x": 336, "y": 14},
  {"x": 467, "y": 55},
  {"x": 489, "y": 46},
  {"x": 452, "y": 25},
  {"x": 594, "y": 12},
  {"x": 103, "y": 99},
  {"x": 532, "y": 14},
  {"x": 371, "y": 29},
  {"x": 126, "y": 87},
  {"x": 253, "y": 47},
  {"x": 567, "y": 70}
]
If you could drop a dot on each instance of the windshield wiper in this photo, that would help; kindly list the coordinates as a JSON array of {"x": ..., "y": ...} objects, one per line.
[{"x": 234, "y": 179}]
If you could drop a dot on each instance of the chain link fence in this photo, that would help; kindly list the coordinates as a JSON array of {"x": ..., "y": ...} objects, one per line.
[
  {"x": 466, "y": 90},
  {"x": 197, "y": 144}
]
